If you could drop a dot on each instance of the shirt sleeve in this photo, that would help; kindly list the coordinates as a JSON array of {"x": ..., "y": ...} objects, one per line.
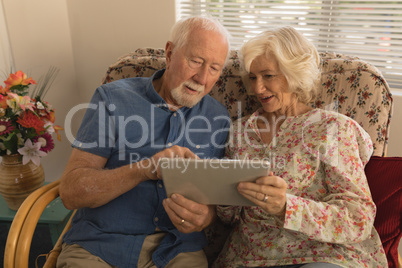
[
  {"x": 345, "y": 214},
  {"x": 95, "y": 134}
]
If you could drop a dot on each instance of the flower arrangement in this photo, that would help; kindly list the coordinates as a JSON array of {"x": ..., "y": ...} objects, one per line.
[{"x": 27, "y": 123}]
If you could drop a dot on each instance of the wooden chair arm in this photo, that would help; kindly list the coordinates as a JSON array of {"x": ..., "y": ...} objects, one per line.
[
  {"x": 19, "y": 220},
  {"x": 24, "y": 243},
  {"x": 51, "y": 258},
  {"x": 399, "y": 261}
]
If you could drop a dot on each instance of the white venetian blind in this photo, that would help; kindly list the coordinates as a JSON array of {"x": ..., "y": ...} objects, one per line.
[{"x": 370, "y": 29}]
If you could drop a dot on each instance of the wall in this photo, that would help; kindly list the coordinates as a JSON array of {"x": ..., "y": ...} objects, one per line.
[
  {"x": 5, "y": 49},
  {"x": 103, "y": 30},
  {"x": 82, "y": 38}
]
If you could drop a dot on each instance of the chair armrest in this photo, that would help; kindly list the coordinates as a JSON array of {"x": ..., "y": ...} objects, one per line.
[
  {"x": 19, "y": 231},
  {"x": 399, "y": 261},
  {"x": 51, "y": 258}
]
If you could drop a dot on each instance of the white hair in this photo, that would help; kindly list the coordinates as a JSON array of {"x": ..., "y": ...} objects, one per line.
[
  {"x": 297, "y": 57},
  {"x": 180, "y": 32}
]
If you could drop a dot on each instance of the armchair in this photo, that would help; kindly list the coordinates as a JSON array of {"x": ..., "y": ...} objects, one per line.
[{"x": 349, "y": 85}]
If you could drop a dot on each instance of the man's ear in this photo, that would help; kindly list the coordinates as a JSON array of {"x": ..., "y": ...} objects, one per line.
[{"x": 168, "y": 52}]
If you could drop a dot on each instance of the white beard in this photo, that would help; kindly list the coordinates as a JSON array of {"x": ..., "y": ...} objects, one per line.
[{"x": 182, "y": 98}]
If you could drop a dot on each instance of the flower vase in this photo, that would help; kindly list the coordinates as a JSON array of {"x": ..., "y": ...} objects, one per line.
[{"x": 17, "y": 181}]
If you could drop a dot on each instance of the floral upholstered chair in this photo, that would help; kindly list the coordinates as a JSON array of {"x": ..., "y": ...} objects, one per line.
[{"x": 348, "y": 85}]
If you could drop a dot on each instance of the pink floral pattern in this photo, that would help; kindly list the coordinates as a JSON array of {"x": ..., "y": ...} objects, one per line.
[{"x": 329, "y": 213}]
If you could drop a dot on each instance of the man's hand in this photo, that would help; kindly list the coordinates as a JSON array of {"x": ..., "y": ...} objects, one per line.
[
  {"x": 152, "y": 165},
  {"x": 188, "y": 216}
]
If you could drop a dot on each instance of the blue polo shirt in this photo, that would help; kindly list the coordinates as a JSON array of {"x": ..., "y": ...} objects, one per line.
[{"x": 126, "y": 122}]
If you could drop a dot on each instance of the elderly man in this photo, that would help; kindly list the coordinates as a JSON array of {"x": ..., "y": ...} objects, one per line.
[{"x": 124, "y": 218}]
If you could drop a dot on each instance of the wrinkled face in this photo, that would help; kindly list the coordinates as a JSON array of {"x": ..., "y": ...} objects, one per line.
[
  {"x": 270, "y": 85},
  {"x": 193, "y": 69}
]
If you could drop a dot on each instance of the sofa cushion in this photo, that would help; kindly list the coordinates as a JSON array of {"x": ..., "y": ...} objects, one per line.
[{"x": 384, "y": 175}]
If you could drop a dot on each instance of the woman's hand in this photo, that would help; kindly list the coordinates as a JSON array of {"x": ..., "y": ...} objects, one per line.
[{"x": 267, "y": 192}]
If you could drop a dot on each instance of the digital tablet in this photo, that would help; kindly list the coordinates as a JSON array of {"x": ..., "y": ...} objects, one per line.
[{"x": 211, "y": 181}]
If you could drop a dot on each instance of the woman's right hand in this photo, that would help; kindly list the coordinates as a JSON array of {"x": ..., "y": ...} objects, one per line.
[{"x": 268, "y": 192}]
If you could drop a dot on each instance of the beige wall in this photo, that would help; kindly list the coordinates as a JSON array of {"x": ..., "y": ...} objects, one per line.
[
  {"x": 5, "y": 49},
  {"x": 103, "y": 30},
  {"x": 82, "y": 38}
]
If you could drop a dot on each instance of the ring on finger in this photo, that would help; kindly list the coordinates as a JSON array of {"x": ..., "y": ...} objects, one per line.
[
  {"x": 265, "y": 198},
  {"x": 182, "y": 222}
]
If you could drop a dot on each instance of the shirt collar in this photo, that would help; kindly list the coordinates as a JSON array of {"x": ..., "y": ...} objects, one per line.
[
  {"x": 155, "y": 98},
  {"x": 151, "y": 93}
]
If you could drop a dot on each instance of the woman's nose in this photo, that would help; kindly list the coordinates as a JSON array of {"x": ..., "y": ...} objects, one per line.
[{"x": 258, "y": 87}]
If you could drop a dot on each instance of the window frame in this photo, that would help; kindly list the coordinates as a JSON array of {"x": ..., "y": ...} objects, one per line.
[{"x": 382, "y": 51}]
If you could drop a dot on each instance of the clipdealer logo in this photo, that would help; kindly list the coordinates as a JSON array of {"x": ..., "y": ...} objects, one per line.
[{"x": 112, "y": 129}]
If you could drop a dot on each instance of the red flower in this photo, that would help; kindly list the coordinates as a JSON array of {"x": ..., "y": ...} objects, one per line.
[
  {"x": 371, "y": 113},
  {"x": 5, "y": 127},
  {"x": 4, "y": 91},
  {"x": 19, "y": 78},
  {"x": 3, "y": 102},
  {"x": 366, "y": 95},
  {"x": 46, "y": 142},
  {"x": 29, "y": 120},
  {"x": 318, "y": 104}
]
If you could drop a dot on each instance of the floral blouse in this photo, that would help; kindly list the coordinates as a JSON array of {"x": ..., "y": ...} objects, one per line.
[{"x": 329, "y": 211}]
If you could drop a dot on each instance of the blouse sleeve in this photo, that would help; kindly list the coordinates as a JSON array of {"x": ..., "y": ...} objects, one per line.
[{"x": 345, "y": 214}]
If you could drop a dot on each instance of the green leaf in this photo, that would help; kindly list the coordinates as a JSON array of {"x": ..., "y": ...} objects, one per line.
[
  {"x": 21, "y": 90},
  {"x": 11, "y": 143}
]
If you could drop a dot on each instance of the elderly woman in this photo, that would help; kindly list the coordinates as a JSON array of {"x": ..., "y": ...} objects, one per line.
[{"x": 315, "y": 208}]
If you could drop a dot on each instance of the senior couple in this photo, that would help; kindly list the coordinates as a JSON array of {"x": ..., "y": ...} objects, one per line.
[{"x": 125, "y": 219}]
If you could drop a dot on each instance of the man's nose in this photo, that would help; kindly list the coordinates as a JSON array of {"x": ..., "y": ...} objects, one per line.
[{"x": 201, "y": 76}]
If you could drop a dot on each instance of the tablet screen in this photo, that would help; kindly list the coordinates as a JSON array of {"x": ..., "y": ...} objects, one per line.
[{"x": 211, "y": 181}]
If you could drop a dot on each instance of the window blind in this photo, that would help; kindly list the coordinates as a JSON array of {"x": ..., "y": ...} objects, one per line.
[{"x": 368, "y": 29}]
